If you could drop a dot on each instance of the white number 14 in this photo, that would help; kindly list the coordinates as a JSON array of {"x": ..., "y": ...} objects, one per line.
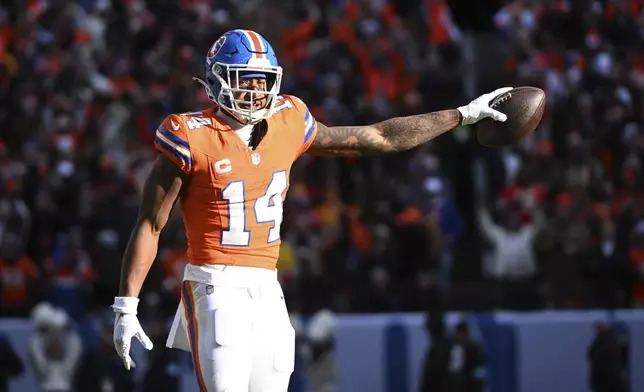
[{"x": 267, "y": 208}]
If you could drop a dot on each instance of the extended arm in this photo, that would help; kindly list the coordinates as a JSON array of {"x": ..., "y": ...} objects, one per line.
[
  {"x": 393, "y": 135},
  {"x": 401, "y": 133}
]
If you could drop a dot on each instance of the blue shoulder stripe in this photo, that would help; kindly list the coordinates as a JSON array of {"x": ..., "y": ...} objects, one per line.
[
  {"x": 309, "y": 122},
  {"x": 187, "y": 161},
  {"x": 171, "y": 136}
]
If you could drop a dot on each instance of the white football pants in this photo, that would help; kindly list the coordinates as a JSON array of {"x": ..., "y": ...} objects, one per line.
[{"x": 234, "y": 322}]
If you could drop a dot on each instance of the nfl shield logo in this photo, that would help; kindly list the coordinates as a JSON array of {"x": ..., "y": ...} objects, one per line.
[{"x": 255, "y": 158}]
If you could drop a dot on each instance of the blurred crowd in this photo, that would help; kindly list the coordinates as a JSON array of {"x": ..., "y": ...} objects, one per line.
[{"x": 555, "y": 222}]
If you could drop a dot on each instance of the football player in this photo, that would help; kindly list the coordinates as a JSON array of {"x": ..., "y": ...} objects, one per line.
[{"x": 228, "y": 166}]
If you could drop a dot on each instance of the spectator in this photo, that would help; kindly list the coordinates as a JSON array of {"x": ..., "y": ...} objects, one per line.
[
  {"x": 466, "y": 366},
  {"x": 321, "y": 366},
  {"x": 512, "y": 262},
  {"x": 18, "y": 278},
  {"x": 452, "y": 364},
  {"x": 435, "y": 375},
  {"x": 637, "y": 262},
  {"x": 607, "y": 367},
  {"x": 70, "y": 274},
  {"x": 54, "y": 349},
  {"x": 15, "y": 217}
]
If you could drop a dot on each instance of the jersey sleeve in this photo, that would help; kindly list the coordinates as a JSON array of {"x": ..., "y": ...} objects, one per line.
[
  {"x": 309, "y": 126},
  {"x": 172, "y": 141}
]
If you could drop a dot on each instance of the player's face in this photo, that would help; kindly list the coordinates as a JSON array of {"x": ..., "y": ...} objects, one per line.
[{"x": 259, "y": 98}]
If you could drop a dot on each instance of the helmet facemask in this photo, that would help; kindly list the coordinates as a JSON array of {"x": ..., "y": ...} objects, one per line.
[{"x": 247, "y": 103}]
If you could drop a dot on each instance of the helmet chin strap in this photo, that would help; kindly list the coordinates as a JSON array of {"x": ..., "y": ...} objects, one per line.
[{"x": 205, "y": 86}]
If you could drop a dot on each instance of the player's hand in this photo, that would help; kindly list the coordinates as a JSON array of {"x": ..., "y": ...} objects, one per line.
[
  {"x": 480, "y": 108},
  {"x": 126, "y": 327}
]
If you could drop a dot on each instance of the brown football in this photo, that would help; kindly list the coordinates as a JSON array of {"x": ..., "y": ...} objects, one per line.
[{"x": 524, "y": 107}]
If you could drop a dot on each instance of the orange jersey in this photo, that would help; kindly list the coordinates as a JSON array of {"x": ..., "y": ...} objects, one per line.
[
  {"x": 232, "y": 207},
  {"x": 14, "y": 280}
]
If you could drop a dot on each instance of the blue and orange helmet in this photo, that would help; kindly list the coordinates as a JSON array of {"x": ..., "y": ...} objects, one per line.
[{"x": 238, "y": 55}]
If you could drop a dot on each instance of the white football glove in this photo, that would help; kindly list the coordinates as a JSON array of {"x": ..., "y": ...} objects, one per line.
[
  {"x": 126, "y": 327},
  {"x": 480, "y": 108}
]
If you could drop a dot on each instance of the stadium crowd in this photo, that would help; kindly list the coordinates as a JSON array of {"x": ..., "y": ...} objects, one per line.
[{"x": 555, "y": 222}]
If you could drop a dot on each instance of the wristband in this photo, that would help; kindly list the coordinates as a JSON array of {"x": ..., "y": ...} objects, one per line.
[
  {"x": 125, "y": 305},
  {"x": 463, "y": 114}
]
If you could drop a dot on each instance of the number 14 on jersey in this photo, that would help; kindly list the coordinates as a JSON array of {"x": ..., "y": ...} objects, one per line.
[{"x": 267, "y": 209}]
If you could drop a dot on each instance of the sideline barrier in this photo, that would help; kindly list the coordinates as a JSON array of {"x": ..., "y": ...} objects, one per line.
[{"x": 525, "y": 352}]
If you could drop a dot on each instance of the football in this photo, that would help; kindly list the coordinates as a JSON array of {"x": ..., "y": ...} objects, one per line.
[{"x": 524, "y": 107}]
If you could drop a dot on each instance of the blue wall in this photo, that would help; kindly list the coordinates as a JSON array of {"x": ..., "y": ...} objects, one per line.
[{"x": 526, "y": 352}]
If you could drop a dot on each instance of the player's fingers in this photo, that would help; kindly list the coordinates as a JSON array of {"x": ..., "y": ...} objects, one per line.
[
  {"x": 122, "y": 343},
  {"x": 144, "y": 339},
  {"x": 122, "y": 348},
  {"x": 123, "y": 351},
  {"x": 128, "y": 362},
  {"x": 497, "y": 116}
]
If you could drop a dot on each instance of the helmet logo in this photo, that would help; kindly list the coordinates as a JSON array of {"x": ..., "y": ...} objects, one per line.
[{"x": 216, "y": 47}]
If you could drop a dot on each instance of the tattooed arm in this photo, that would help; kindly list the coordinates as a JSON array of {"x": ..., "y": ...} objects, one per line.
[
  {"x": 393, "y": 135},
  {"x": 402, "y": 133}
]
